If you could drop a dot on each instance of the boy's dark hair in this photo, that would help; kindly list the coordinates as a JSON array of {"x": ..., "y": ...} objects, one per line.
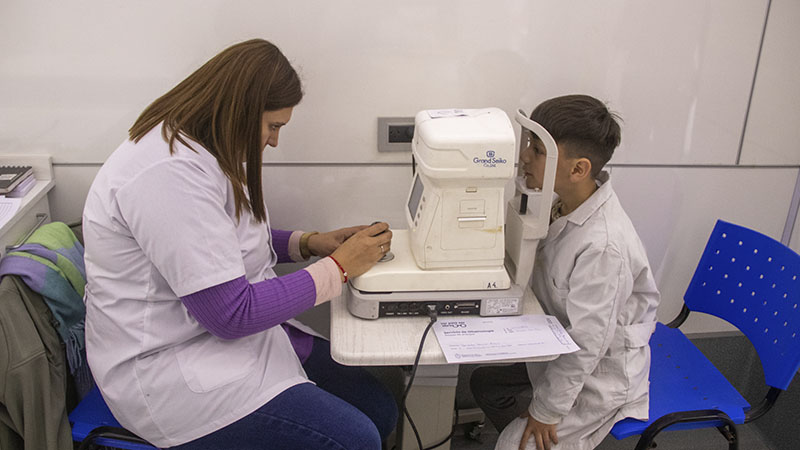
[{"x": 582, "y": 125}]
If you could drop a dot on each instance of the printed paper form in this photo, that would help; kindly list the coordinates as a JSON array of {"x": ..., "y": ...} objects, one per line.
[
  {"x": 475, "y": 339},
  {"x": 8, "y": 207}
]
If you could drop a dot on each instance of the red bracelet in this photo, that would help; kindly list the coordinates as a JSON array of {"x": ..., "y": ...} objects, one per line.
[{"x": 344, "y": 272}]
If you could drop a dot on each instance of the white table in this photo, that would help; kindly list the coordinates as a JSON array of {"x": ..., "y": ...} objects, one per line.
[{"x": 394, "y": 341}]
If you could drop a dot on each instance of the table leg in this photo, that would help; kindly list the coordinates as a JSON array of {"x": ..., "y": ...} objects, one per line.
[{"x": 430, "y": 403}]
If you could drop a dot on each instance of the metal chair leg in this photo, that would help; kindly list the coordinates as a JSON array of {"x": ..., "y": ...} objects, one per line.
[
  {"x": 111, "y": 433},
  {"x": 649, "y": 434},
  {"x": 730, "y": 434},
  {"x": 474, "y": 433}
]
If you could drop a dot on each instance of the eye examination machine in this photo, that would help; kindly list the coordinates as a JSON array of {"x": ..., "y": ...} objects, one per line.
[{"x": 464, "y": 251}]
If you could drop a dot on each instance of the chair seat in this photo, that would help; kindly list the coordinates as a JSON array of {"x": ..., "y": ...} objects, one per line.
[
  {"x": 92, "y": 412},
  {"x": 683, "y": 379}
]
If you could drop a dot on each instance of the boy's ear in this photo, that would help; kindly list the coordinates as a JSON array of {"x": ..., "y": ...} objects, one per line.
[{"x": 581, "y": 169}]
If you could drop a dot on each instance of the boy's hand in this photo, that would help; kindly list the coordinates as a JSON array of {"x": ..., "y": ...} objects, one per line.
[
  {"x": 323, "y": 244},
  {"x": 542, "y": 432}
]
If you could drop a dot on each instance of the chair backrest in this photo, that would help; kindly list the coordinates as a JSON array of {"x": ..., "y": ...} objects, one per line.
[{"x": 753, "y": 282}]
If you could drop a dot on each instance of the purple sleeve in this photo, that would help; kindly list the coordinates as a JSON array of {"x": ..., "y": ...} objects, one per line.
[
  {"x": 280, "y": 243},
  {"x": 302, "y": 343},
  {"x": 237, "y": 308}
]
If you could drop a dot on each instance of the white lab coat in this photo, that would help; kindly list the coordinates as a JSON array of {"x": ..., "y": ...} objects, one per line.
[
  {"x": 158, "y": 227},
  {"x": 592, "y": 273}
]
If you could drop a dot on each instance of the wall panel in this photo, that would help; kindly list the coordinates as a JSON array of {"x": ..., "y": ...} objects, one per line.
[
  {"x": 674, "y": 211},
  {"x": 679, "y": 72},
  {"x": 74, "y": 76},
  {"x": 69, "y": 194},
  {"x": 794, "y": 243},
  {"x": 772, "y": 135}
]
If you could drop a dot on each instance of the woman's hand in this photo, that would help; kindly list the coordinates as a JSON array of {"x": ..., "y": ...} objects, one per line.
[
  {"x": 323, "y": 244},
  {"x": 364, "y": 248},
  {"x": 543, "y": 434}
]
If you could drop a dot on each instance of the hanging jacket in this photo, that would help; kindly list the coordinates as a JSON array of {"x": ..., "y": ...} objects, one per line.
[
  {"x": 33, "y": 373},
  {"x": 50, "y": 262}
]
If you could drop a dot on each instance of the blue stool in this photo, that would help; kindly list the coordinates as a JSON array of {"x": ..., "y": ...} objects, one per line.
[
  {"x": 753, "y": 282},
  {"x": 93, "y": 424}
]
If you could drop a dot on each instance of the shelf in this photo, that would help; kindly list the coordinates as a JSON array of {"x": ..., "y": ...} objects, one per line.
[{"x": 34, "y": 204}]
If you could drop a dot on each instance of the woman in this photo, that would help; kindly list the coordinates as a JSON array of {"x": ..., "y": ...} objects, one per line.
[{"x": 183, "y": 306}]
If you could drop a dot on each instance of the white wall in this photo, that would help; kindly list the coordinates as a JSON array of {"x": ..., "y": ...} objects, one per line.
[
  {"x": 772, "y": 133},
  {"x": 675, "y": 208},
  {"x": 795, "y": 241},
  {"x": 708, "y": 94}
]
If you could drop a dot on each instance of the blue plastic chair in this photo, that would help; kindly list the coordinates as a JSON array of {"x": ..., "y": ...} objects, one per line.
[
  {"x": 753, "y": 282},
  {"x": 93, "y": 424}
]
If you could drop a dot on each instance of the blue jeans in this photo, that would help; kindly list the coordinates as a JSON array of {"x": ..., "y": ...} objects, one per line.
[
  {"x": 354, "y": 385},
  {"x": 348, "y": 409}
]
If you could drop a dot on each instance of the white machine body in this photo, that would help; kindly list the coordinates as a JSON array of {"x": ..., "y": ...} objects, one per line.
[
  {"x": 525, "y": 226},
  {"x": 372, "y": 305},
  {"x": 464, "y": 159},
  {"x": 402, "y": 274},
  {"x": 455, "y": 253}
]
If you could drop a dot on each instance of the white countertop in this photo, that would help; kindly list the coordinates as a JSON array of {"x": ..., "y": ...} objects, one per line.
[{"x": 393, "y": 341}]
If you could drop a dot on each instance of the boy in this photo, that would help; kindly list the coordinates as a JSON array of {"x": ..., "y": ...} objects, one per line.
[{"x": 591, "y": 273}]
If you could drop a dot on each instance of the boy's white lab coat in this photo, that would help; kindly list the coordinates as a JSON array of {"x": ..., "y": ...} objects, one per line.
[{"x": 592, "y": 273}]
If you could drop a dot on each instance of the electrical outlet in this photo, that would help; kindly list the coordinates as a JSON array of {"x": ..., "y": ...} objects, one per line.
[
  {"x": 395, "y": 134},
  {"x": 400, "y": 133}
]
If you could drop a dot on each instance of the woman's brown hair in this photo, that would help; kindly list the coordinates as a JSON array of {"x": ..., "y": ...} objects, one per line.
[{"x": 220, "y": 106}]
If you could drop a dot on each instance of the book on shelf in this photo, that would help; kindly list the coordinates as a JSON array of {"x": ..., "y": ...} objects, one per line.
[
  {"x": 11, "y": 176},
  {"x": 23, "y": 187}
]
